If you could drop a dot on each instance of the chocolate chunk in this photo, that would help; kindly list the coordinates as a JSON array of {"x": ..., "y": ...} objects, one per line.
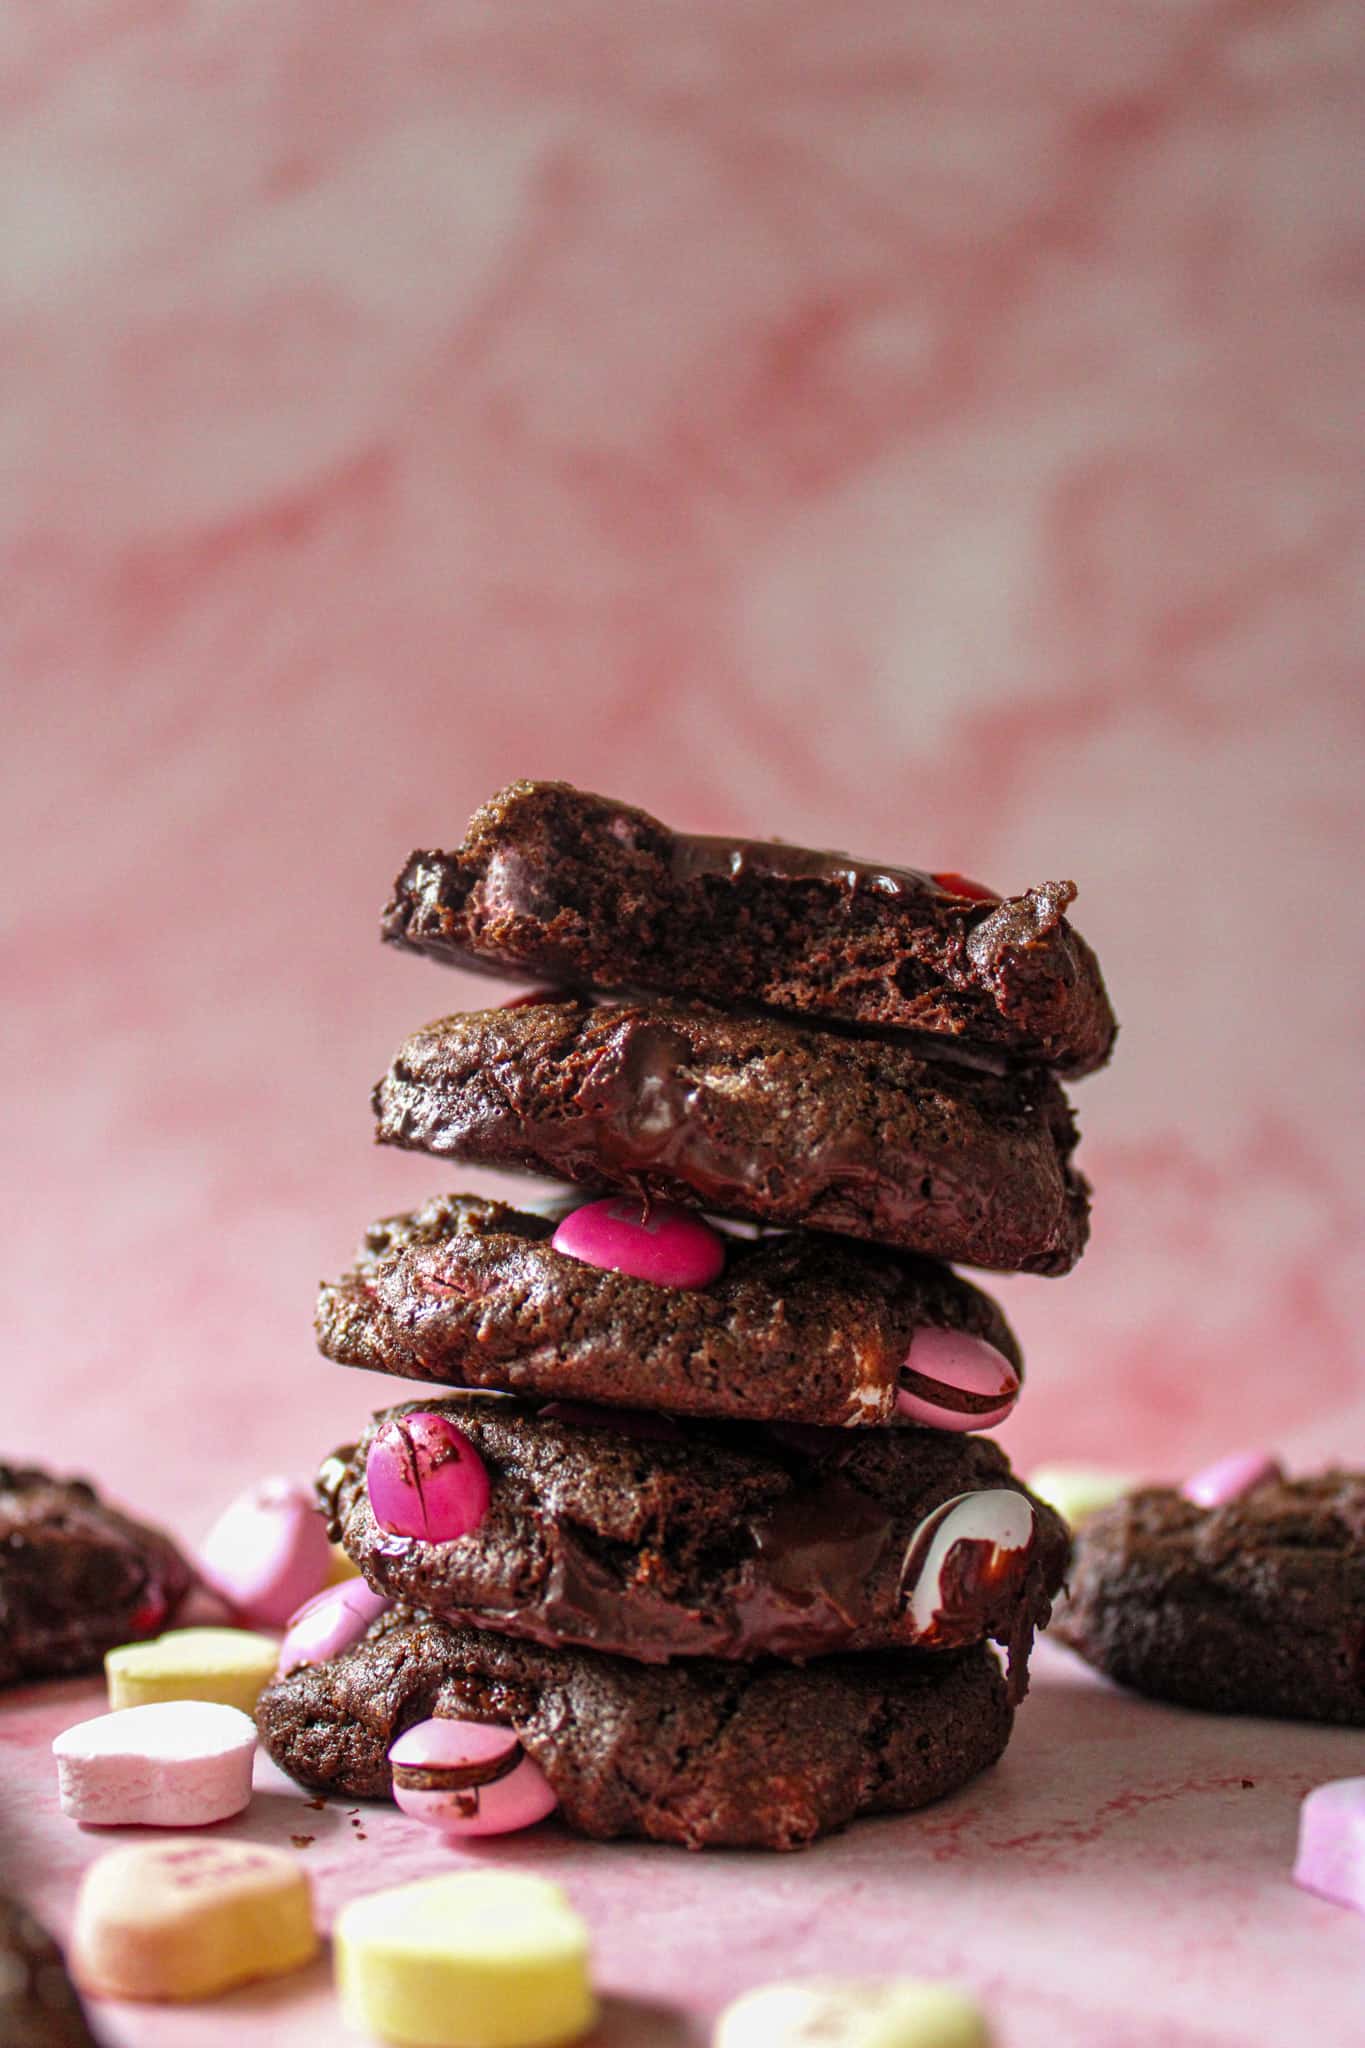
[{"x": 555, "y": 884}]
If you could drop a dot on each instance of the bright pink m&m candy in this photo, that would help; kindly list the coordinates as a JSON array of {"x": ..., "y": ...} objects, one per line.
[
  {"x": 954, "y": 1381},
  {"x": 329, "y": 1623},
  {"x": 425, "y": 1478},
  {"x": 660, "y": 1242},
  {"x": 468, "y": 1778},
  {"x": 1230, "y": 1478}
]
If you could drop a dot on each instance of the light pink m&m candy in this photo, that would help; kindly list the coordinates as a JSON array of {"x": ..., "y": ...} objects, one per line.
[
  {"x": 425, "y": 1478},
  {"x": 1331, "y": 1850},
  {"x": 951, "y": 1380},
  {"x": 657, "y": 1241},
  {"x": 329, "y": 1623},
  {"x": 267, "y": 1552},
  {"x": 468, "y": 1778},
  {"x": 1229, "y": 1478}
]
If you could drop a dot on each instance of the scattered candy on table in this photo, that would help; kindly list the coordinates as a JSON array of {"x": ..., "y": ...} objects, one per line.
[
  {"x": 478, "y": 1960},
  {"x": 1079, "y": 1491},
  {"x": 896, "y": 2012},
  {"x": 658, "y": 1241},
  {"x": 340, "y": 1567},
  {"x": 230, "y": 1665},
  {"x": 329, "y": 1623},
  {"x": 425, "y": 1478},
  {"x": 267, "y": 1552},
  {"x": 188, "y": 1918},
  {"x": 468, "y": 1778},
  {"x": 952, "y": 1380},
  {"x": 1331, "y": 1851},
  {"x": 177, "y": 1764},
  {"x": 1229, "y": 1478}
]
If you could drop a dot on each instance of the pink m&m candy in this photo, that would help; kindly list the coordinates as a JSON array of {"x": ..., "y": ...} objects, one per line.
[
  {"x": 657, "y": 1241},
  {"x": 425, "y": 1478},
  {"x": 267, "y": 1552},
  {"x": 1230, "y": 1478},
  {"x": 954, "y": 1381},
  {"x": 329, "y": 1623},
  {"x": 468, "y": 1778}
]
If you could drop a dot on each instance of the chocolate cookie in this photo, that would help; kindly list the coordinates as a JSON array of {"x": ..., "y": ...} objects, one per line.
[
  {"x": 706, "y": 1755},
  {"x": 753, "y": 1117},
  {"x": 554, "y": 884},
  {"x": 76, "y": 1576},
  {"x": 468, "y": 1292},
  {"x": 655, "y": 1540},
  {"x": 39, "y": 2006},
  {"x": 1253, "y": 1607}
]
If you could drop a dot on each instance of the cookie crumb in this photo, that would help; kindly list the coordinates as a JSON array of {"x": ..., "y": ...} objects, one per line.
[{"x": 303, "y": 1841}]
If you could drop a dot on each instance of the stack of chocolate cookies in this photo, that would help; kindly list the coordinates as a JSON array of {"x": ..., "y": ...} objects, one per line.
[{"x": 706, "y": 1531}]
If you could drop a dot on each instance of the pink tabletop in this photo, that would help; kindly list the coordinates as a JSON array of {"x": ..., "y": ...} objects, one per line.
[{"x": 1121, "y": 1878}]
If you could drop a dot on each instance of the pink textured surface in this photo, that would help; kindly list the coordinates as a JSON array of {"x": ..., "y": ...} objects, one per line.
[
  {"x": 1121, "y": 1878},
  {"x": 934, "y": 431}
]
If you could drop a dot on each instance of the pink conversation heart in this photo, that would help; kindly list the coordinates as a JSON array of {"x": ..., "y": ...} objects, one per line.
[
  {"x": 329, "y": 1623},
  {"x": 425, "y": 1478},
  {"x": 951, "y": 1380},
  {"x": 173, "y": 1764},
  {"x": 655, "y": 1241},
  {"x": 1331, "y": 1850},
  {"x": 267, "y": 1552},
  {"x": 1230, "y": 1478},
  {"x": 468, "y": 1778}
]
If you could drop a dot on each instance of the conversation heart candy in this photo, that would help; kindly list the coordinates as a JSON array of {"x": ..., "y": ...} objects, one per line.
[
  {"x": 951, "y": 1380},
  {"x": 1331, "y": 1849},
  {"x": 230, "y": 1665},
  {"x": 1079, "y": 1491},
  {"x": 329, "y": 1623},
  {"x": 425, "y": 1478},
  {"x": 477, "y": 1960},
  {"x": 656, "y": 1241},
  {"x": 1229, "y": 1478},
  {"x": 178, "y": 1764},
  {"x": 468, "y": 1778},
  {"x": 895, "y": 2012},
  {"x": 185, "y": 1918},
  {"x": 967, "y": 1556},
  {"x": 267, "y": 1552}
]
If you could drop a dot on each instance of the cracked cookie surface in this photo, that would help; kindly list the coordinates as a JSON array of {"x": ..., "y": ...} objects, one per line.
[
  {"x": 1253, "y": 1607},
  {"x": 806, "y": 1326},
  {"x": 704, "y": 1755}
]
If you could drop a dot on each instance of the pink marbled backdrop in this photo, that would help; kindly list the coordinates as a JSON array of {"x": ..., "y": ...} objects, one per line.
[{"x": 930, "y": 430}]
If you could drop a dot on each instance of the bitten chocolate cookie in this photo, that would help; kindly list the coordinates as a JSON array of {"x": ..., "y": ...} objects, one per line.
[
  {"x": 706, "y": 1755},
  {"x": 655, "y": 1540},
  {"x": 76, "y": 1576},
  {"x": 468, "y": 1292},
  {"x": 555, "y": 884},
  {"x": 1256, "y": 1606},
  {"x": 39, "y": 2006},
  {"x": 753, "y": 1117}
]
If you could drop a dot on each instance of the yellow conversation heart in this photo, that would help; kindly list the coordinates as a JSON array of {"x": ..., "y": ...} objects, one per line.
[
  {"x": 230, "y": 1665},
  {"x": 889, "y": 2012},
  {"x": 478, "y": 1960}
]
